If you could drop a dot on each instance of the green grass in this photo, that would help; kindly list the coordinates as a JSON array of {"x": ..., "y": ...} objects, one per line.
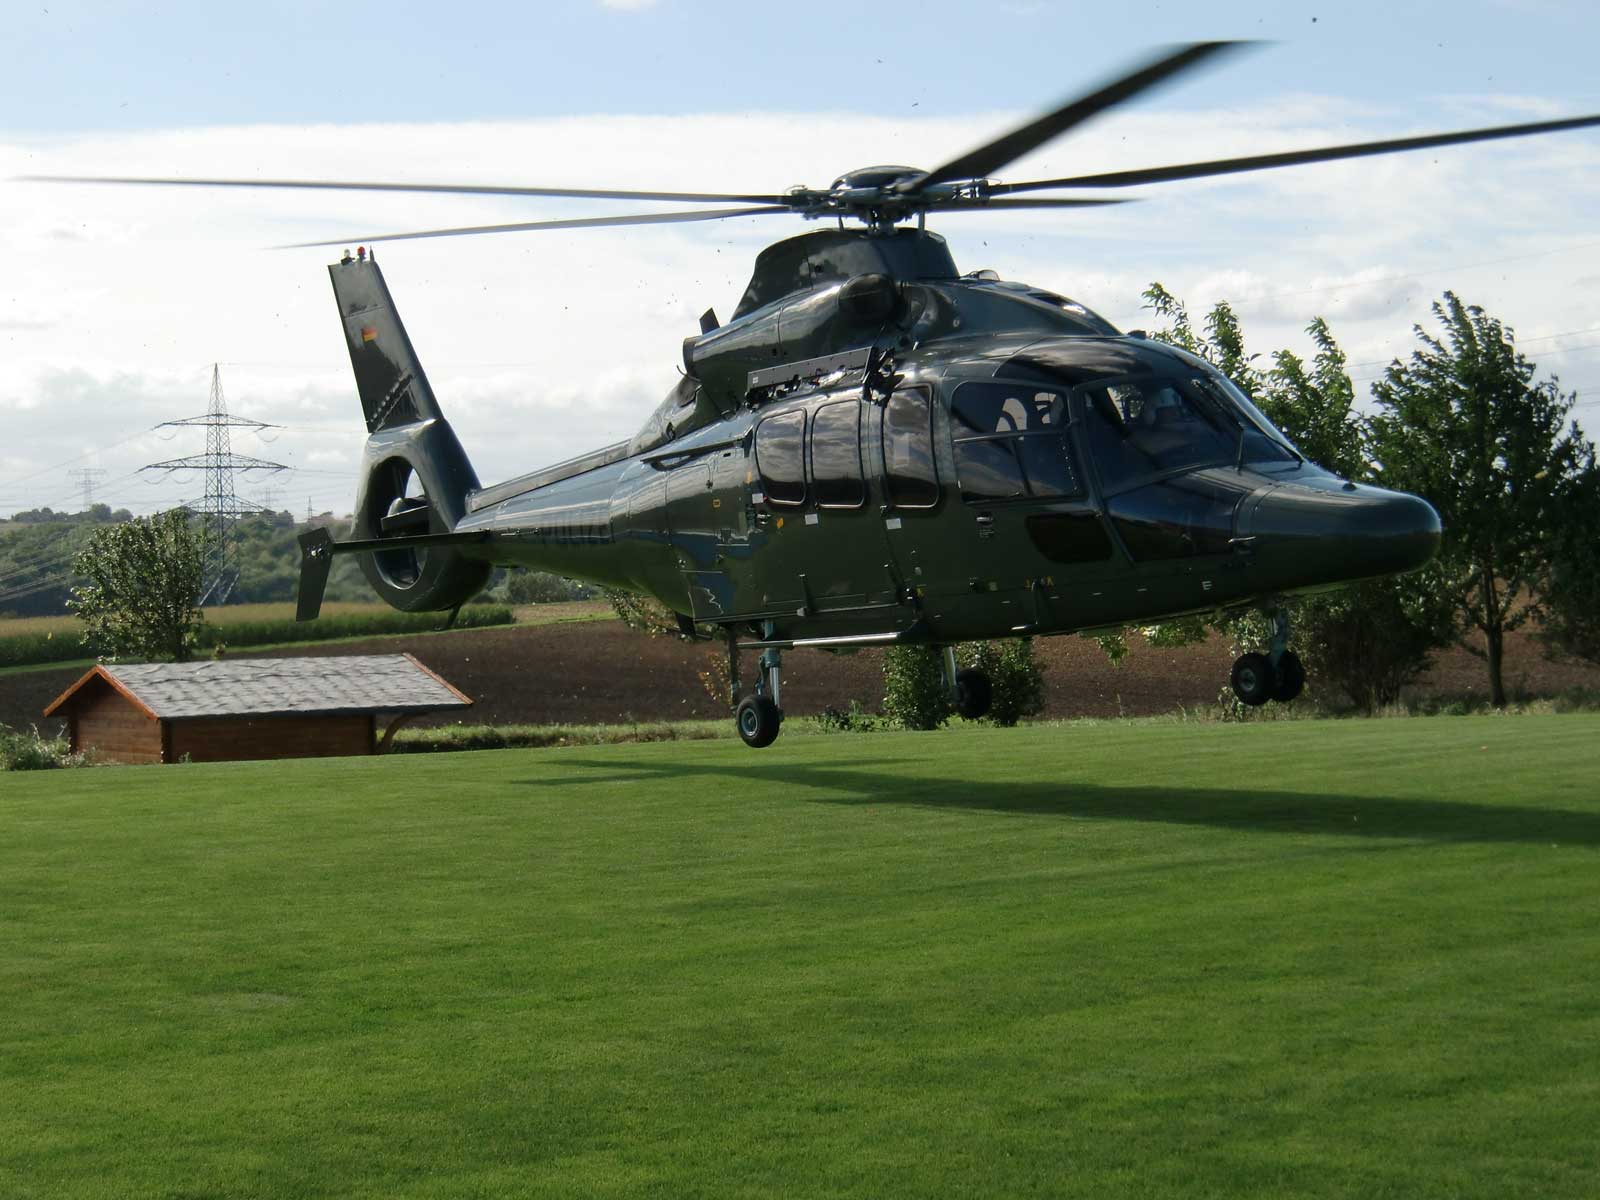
[{"x": 1301, "y": 959}]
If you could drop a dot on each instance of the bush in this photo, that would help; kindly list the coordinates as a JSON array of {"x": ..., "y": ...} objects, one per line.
[
  {"x": 914, "y": 691},
  {"x": 541, "y": 587},
  {"x": 854, "y": 719},
  {"x": 1373, "y": 639},
  {"x": 31, "y": 752},
  {"x": 1014, "y": 674}
]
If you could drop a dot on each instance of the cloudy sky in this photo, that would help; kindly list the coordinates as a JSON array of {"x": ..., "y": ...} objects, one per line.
[{"x": 114, "y": 302}]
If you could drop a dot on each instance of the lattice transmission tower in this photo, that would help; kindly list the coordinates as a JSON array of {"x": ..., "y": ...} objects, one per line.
[
  {"x": 221, "y": 507},
  {"x": 87, "y": 478}
]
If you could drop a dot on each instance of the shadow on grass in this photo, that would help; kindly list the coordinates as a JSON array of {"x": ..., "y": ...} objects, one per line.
[{"x": 1255, "y": 809}]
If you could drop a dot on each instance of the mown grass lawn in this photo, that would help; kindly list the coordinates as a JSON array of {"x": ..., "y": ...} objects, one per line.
[{"x": 1307, "y": 959}]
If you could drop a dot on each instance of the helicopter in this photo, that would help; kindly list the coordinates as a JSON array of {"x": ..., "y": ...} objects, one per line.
[{"x": 877, "y": 449}]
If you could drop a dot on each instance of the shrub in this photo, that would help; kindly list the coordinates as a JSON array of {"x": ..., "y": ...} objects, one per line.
[
  {"x": 1015, "y": 676},
  {"x": 914, "y": 692},
  {"x": 31, "y": 752},
  {"x": 854, "y": 719},
  {"x": 541, "y": 587}
]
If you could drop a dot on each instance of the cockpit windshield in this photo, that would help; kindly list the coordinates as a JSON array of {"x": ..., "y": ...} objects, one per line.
[{"x": 1150, "y": 426}]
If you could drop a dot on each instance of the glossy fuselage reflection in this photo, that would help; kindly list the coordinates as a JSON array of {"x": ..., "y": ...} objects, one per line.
[{"x": 955, "y": 457}]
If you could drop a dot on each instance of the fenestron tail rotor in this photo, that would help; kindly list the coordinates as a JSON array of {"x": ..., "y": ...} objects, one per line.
[{"x": 885, "y": 196}]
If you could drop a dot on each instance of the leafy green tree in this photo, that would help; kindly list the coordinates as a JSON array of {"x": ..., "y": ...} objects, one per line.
[
  {"x": 1464, "y": 424},
  {"x": 1368, "y": 641},
  {"x": 1315, "y": 406},
  {"x": 1222, "y": 345},
  {"x": 140, "y": 584},
  {"x": 1570, "y": 592}
]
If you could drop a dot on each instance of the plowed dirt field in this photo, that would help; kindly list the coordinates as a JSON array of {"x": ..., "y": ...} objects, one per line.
[{"x": 598, "y": 671}]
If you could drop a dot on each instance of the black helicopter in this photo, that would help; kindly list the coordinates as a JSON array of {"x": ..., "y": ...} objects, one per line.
[{"x": 877, "y": 449}]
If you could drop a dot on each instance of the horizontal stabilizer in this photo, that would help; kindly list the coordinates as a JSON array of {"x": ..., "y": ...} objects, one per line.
[{"x": 317, "y": 549}]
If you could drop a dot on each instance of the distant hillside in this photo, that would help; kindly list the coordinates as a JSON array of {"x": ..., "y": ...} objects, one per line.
[{"x": 37, "y": 548}]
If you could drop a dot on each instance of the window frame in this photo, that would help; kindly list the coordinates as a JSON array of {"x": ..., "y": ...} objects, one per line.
[
  {"x": 805, "y": 482},
  {"x": 815, "y": 489},
  {"x": 1062, "y": 433},
  {"x": 925, "y": 393}
]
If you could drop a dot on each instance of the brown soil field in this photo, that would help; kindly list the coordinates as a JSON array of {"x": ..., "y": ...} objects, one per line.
[{"x": 598, "y": 671}]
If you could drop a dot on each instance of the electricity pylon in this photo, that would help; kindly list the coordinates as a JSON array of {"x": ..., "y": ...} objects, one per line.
[{"x": 221, "y": 507}]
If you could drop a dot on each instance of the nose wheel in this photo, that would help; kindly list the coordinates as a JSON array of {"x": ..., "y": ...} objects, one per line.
[{"x": 1276, "y": 675}]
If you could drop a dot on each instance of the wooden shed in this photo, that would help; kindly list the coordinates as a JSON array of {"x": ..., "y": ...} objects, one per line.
[{"x": 248, "y": 708}]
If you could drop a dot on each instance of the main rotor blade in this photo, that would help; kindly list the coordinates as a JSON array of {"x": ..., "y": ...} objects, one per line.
[
  {"x": 988, "y": 158},
  {"x": 457, "y": 189},
  {"x": 716, "y": 214},
  {"x": 1294, "y": 158},
  {"x": 960, "y": 205}
]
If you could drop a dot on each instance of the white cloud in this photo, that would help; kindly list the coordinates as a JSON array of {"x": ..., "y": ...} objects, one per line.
[{"x": 115, "y": 301}]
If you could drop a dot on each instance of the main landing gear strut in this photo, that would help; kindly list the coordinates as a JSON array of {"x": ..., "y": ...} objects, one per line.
[
  {"x": 971, "y": 693},
  {"x": 757, "y": 716},
  {"x": 1276, "y": 675}
]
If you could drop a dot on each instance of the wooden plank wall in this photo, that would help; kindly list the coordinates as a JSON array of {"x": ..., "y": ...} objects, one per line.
[
  {"x": 112, "y": 729},
  {"x": 225, "y": 739}
]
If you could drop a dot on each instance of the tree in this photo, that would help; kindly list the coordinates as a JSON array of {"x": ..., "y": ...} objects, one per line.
[
  {"x": 1570, "y": 592},
  {"x": 141, "y": 581},
  {"x": 1369, "y": 641},
  {"x": 1463, "y": 424}
]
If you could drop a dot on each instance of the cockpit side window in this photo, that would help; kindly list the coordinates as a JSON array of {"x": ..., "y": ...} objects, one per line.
[
  {"x": 1144, "y": 428},
  {"x": 780, "y": 457},
  {"x": 1010, "y": 442}
]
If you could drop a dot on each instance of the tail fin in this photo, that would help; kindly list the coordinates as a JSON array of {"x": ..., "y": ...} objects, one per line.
[
  {"x": 408, "y": 440},
  {"x": 394, "y": 389}
]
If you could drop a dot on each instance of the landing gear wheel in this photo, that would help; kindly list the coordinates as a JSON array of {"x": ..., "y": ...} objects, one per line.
[
  {"x": 758, "y": 720},
  {"x": 1254, "y": 680},
  {"x": 1291, "y": 676},
  {"x": 974, "y": 694}
]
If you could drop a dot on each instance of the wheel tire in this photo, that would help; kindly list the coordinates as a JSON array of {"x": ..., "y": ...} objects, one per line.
[
  {"x": 974, "y": 694},
  {"x": 1254, "y": 680},
  {"x": 1291, "y": 677},
  {"x": 758, "y": 721}
]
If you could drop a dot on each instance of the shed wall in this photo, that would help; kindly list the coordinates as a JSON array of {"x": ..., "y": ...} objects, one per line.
[
  {"x": 106, "y": 724},
  {"x": 225, "y": 739}
]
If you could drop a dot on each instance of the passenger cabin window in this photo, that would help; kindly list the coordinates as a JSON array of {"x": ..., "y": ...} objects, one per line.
[
  {"x": 908, "y": 466},
  {"x": 780, "y": 459},
  {"x": 836, "y": 455},
  {"x": 1010, "y": 443}
]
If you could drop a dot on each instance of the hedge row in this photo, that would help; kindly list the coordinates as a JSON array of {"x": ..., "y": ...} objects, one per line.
[{"x": 30, "y": 649}]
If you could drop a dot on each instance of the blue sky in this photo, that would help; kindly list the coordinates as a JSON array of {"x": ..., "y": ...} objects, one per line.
[
  {"x": 114, "y": 303},
  {"x": 103, "y": 66}
]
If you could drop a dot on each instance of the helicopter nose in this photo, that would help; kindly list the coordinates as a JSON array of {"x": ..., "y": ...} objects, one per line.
[{"x": 1310, "y": 536}]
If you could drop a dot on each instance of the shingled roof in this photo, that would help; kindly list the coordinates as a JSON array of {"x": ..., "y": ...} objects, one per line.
[{"x": 267, "y": 687}]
